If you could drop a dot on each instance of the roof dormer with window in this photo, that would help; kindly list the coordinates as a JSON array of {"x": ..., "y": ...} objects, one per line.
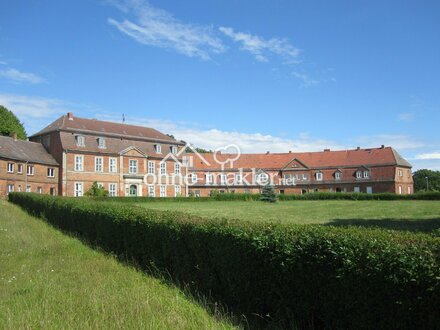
[
  {"x": 101, "y": 143},
  {"x": 80, "y": 140}
]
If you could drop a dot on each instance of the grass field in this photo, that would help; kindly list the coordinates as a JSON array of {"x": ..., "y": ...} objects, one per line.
[
  {"x": 410, "y": 215},
  {"x": 51, "y": 281}
]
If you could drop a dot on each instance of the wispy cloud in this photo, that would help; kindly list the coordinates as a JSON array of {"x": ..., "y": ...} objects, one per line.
[
  {"x": 262, "y": 48},
  {"x": 400, "y": 142},
  {"x": 156, "y": 27},
  {"x": 428, "y": 156},
  {"x": 406, "y": 117},
  {"x": 21, "y": 77},
  {"x": 305, "y": 79}
]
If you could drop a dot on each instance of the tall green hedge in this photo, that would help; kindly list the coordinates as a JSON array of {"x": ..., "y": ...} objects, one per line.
[{"x": 292, "y": 276}]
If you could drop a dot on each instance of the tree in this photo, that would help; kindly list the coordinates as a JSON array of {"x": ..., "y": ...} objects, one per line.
[
  {"x": 9, "y": 124},
  {"x": 189, "y": 150},
  {"x": 96, "y": 191},
  {"x": 426, "y": 179},
  {"x": 268, "y": 194}
]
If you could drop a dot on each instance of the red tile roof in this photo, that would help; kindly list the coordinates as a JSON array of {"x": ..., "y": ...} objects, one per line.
[
  {"x": 25, "y": 151},
  {"x": 340, "y": 158},
  {"x": 70, "y": 123}
]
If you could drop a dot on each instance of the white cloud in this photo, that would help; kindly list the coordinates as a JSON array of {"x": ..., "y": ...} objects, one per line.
[
  {"x": 428, "y": 156},
  {"x": 158, "y": 28},
  {"x": 18, "y": 76},
  {"x": 406, "y": 117},
  {"x": 262, "y": 48},
  {"x": 305, "y": 79},
  {"x": 399, "y": 142}
]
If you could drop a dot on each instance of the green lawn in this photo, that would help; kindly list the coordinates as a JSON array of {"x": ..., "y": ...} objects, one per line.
[
  {"x": 51, "y": 281},
  {"x": 411, "y": 215}
]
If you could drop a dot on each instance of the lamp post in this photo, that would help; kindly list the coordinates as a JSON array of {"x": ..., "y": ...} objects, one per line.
[{"x": 427, "y": 183}]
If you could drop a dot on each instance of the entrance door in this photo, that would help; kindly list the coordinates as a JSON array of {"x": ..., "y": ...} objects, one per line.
[{"x": 133, "y": 190}]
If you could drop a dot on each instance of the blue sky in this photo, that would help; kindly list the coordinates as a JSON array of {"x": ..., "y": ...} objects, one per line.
[{"x": 273, "y": 75}]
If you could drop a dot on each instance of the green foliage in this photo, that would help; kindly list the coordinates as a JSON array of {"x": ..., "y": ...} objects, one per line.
[
  {"x": 96, "y": 191},
  {"x": 199, "y": 150},
  {"x": 268, "y": 194},
  {"x": 298, "y": 276},
  {"x": 425, "y": 178},
  {"x": 9, "y": 124}
]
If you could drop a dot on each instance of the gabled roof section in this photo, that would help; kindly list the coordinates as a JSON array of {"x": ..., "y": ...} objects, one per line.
[
  {"x": 132, "y": 148},
  {"x": 295, "y": 164},
  {"x": 25, "y": 151},
  {"x": 400, "y": 161},
  {"x": 69, "y": 123}
]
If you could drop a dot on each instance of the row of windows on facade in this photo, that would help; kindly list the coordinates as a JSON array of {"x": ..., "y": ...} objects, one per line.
[
  {"x": 132, "y": 166},
  {"x": 131, "y": 190},
  {"x": 30, "y": 169},
  {"x": 39, "y": 190},
  {"x": 81, "y": 142}
]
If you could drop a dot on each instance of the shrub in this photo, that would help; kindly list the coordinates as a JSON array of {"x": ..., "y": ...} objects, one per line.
[
  {"x": 96, "y": 191},
  {"x": 298, "y": 276},
  {"x": 268, "y": 194}
]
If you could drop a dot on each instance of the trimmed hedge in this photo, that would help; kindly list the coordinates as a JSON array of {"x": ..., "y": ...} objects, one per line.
[{"x": 296, "y": 276}]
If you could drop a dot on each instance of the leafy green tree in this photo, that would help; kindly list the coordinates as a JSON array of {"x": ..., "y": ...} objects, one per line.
[
  {"x": 268, "y": 194},
  {"x": 426, "y": 179},
  {"x": 96, "y": 191},
  {"x": 9, "y": 124},
  {"x": 199, "y": 150}
]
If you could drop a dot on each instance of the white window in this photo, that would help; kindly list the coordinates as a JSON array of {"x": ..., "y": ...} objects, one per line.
[
  {"x": 176, "y": 190},
  {"x": 318, "y": 176},
  {"x": 50, "y": 172},
  {"x": 80, "y": 141},
  {"x": 400, "y": 173},
  {"x": 19, "y": 188},
  {"x": 28, "y": 189},
  {"x": 158, "y": 148},
  {"x": 409, "y": 190},
  {"x": 10, "y": 167},
  {"x": 10, "y": 188},
  {"x": 359, "y": 175},
  {"x": 78, "y": 189},
  {"x": 357, "y": 189},
  {"x": 400, "y": 190},
  {"x": 304, "y": 176},
  {"x": 194, "y": 177},
  {"x": 101, "y": 143},
  {"x": 133, "y": 166},
  {"x": 20, "y": 168},
  {"x": 173, "y": 149},
  {"x": 223, "y": 179},
  {"x": 338, "y": 175},
  {"x": 151, "y": 167},
  {"x": 39, "y": 190},
  {"x": 98, "y": 164},
  {"x": 177, "y": 168},
  {"x": 163, "y": 191},
  {"x": 369, "y": 190},
  {"x": 30, "y": 170},
  {"x": 100, "y": 185},
  {"x": 151, "y": 191},
  {"x": 112, "y": 167},
  {"x": 113, "y": 189},
  {"x": 366, "y": 174},
  {"x": 163, "y": 168},
  {"x": 79, "y": 163},
  {"x": 262, "y": 178},
  {"x": 238, "y": 179},
  {"x": 209, "y": 178}
]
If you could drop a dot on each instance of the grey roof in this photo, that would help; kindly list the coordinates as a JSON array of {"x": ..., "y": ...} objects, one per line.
[
  {"x": 400, "y": 161},
  {"x": 25, "y": 151}
]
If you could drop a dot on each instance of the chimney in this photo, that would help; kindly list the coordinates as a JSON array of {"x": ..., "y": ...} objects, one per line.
[
  {"x": 290, "y": 151},
  {"x": 382, "y": 146},
  {"x": 267, "y": 152},
  {"x": 358, "y": 148},
  {"x": 70, "y": 115},
  {"x": 326, "y": 149},
  {"x": 14, "y": 136}
]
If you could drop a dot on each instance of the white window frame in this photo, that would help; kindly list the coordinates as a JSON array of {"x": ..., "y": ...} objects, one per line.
[
  {"x": 177, "y": 168},
  {"x": 113, "y": 189},
  {"x": 223, "y": 179},
  {"x": 151, "y": 191},
  {"x": 101, "y": 143},
  {"x": 80, "y": 141},
  {"x": 132, "y": 166},
  {"x": 209, "y": 178},
  {"x": 400, "y": 173},
  {"x": 79, "y": 163},
  {"x": 78, "y": 189},
  {"x": 163, "y": 190},
  {"x": 358, "y": 174},
  {"x": 163, "y": 168},
  {"x": 50, "y": 172},
  {"x": 20, "y": 168},
  {"x": 409, "y": 190},
  {"x": 173, "y": 150},
  {"x": 99, "y": 164},
  {"x": 319, "y": 176},
  {"x": 238, "y": 179},
  {"x": 39, "y": 190},
  {"x": 262, "y": 178},
  {"x": 30, "y": 170},
  {"x": 11, "y": 167},
  {"x": 338, "y": 175},
  {"x": 10, "y": 188},
  {"x": 357, "y": 189},
  {"x": 369, "y": 190},
  {"x": 400, "y": 190},
  {"x": 366, "y": 174},
  {"x": 158, "y": 148},
  {"x": 177, "y": 190},
  {"x": 113, "y": 165},
  {"x": 151, "y": 167},
  {"x": 28, "y": 188},
  {"x": 194, "y": 177}
]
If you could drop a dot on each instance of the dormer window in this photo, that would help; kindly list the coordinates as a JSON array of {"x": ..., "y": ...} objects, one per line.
[
  {"x": 318, "y": 176},
  {"x": 359, "y": 175},
  {"x": 158, "y": 148},
  {"x": 101, "y": 143},
  {"x": 366, "y": 174},
  {"x": 80, "y": 141},
  {"x": 173, "y": 149},
  {"x": 338, "y": 175}
]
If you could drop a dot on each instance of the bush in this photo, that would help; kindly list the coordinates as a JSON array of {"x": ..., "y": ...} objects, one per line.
[
  {"x": 268, "y": 194},
  {"x": 297, "y": 276}
]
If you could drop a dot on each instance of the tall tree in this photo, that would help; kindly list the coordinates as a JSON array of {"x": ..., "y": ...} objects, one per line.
[
  {"x": 426, "y": 179},
  {"x": 9, "y": 124}
]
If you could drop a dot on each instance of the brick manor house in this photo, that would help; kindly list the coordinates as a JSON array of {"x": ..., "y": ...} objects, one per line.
[{"x": 67, "y": 156}]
